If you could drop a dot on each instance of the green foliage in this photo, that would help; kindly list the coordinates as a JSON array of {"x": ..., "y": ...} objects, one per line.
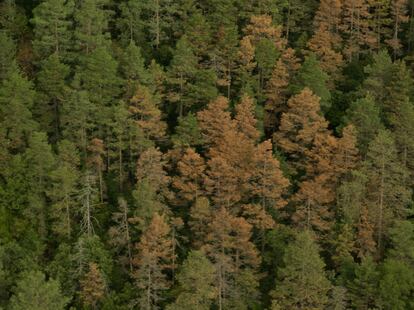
[
  {"x": 196, "y": 284},
  {"x": 302, "y": 281},
  {"x": 34, "y": 292},
  {"x": 187, "y": 132},
  {"x": 52, "y": 20},
  {"x": 312, "y": 76}
]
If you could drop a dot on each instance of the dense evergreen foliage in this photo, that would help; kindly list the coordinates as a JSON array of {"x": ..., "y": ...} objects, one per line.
[{"x": 206, "y": 154}]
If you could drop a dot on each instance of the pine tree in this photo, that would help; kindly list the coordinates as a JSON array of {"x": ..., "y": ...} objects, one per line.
[
  {"x": 189, "y": 180},
  {"x": 34, "y": 292},
  {"x": 388, "y": 194},
  {"x": 299, "y": 127},
  {"x": 196, "y": 282},
  {"x": 65, "y": 180},
  {"x": 187, "y": 132},
  {"x": 302, "y": 282},
  {"x": 120, "y": 233},
  {"x": 7, "y": 56},
  {"x": 95, "y": 162},
  {"x": 151, "y": 167},
  {"x": 52, "y": 94},
  {"x": 245, "y": 119},
  {"x": 399, "y": 16},
  {"x": 364, "y": 114},
  {"x": 41, "y": 158},
  {"x": 91, "y": 25},
  {"x": 133, "y": 68},
  {"x": 130, "y": 22},
  {"x": 267, "y": 185},
  {"x": 53, "y": 28},
  {"x": 363, "y": 289},
  {"x": 181, "y": 73},
  {"x": 201, "y": 213},
  {"x": 98, "y": 75},
  {"x": 13, "y": 19},
  {"x": 158, "y": 25},
  {"x": 92, "y": 287},
  {"x": 326, "y": 39},
  {"x": 277, "y": 89},
  {"x": 78, "y": 119},
  {"x": 146, "y": 116},
  {"x": 16, "y": 101},
  {"x": 356, "y": 27},
  {"x": 379, "y": 77},
  {"x": 312, "y": 76},
  {"x": 154, "y": 255},
  {"x": 234, "y": 257},
  {"x": 215, "y": 120}
]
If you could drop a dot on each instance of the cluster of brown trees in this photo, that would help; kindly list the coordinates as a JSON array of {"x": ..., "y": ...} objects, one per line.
[{"x": 206, "y": 154}]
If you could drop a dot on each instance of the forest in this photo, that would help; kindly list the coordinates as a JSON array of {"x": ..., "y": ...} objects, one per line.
[{"x": 206, "y": 154}]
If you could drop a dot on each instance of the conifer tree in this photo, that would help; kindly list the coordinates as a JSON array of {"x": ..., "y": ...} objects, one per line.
[
  {"x": 13, "y": 19},
  {"x": 51, "y": 83},
  {"x": 364, "y": 114},
  {"x": 299, "y": 127},
  {"x": 158, "y": 25},
  {"x": 399, "y": 16},
  {"x": 182, "y": 73},
  {"x": 16, "y": 102},
  {"x": 196, "y": 281},
  {"x": 277, "y": 89},
  {"x": 356, "y": 27},
  {"x": 267, "y": 184},
  {"x": 153, "y": 258},
  {"x": 40, "y": 161},
  {"x": 130, "y": 23},
  {"x": 53, "y": 28},
  {"x": 146, "y": 116},
  {"x": 201, "y": 213},
  {"x": 133, "y": 68},
  {"x": 34, "y": 292},
  {"x": 215, "y": 120},
  {"x": 388, "y": 193},
  {"x": 187, "y": 132},
  {"x": 7, "y": 56},
  {"x": 363, "y": 289},
  {"x": 190, "y": 177},
  {"x": 92, "y": 287},
  {"x": 234, "y": 257},
  {"x": 120, "y": 233},
  {"x": 65, "y": 180},
  {"x": 312, "y": 76},
  {"x": 151, "y": 167},
  {"x": 78, "y": 119},
  {"x": 326, "y": 39},
  {"x": 302, "y": 282},
  {"x": 95, "y": 162},
  {"x": 91, "y": 25}
]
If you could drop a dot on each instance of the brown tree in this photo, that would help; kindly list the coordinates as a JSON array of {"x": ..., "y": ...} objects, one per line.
[
  {"x": 151, "y": 168},
  {"x": 277, "y": 91},
  {"x": 188, "y": 182},
  {"x": 228, "y": 246},
  {"x": 95, "y": 161},
  {"x": 299, "y": 126},
  {"x": 153, "y": 257},
  {"x": 399, "y": 14},
  {"x": 326, "y": 40},
  {"x": 215, "y": 120},
  {"x": 356, "y": 27},
  {"x": 92, "y": 287},
  {"x": 267, "y": 186},
  {"x": 146, "y": 115}
]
